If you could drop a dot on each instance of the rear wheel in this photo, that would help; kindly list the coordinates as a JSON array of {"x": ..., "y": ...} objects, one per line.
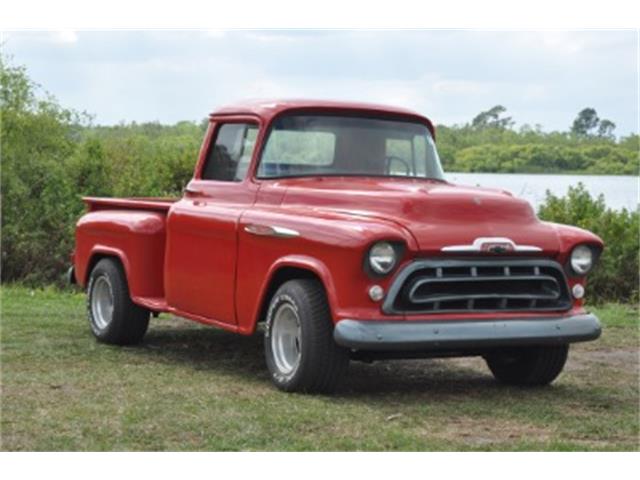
[
  {"x": 528, "y": 366},
  {"x": 300, "y": 351},
  {"x": 113, "y": 317}
]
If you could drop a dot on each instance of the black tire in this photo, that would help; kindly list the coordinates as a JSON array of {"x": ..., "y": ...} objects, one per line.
[
  {"x": 128, "y": 322},
  {"x": 528, "y": 366},
  {"x": 321, "y": 362}
]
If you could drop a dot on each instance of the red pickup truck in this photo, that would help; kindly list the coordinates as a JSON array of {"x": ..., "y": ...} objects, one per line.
[{"x": 333, "y": 225}]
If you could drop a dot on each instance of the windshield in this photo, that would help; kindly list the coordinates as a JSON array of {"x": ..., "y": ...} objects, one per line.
[{"x": 308, "y": 145}]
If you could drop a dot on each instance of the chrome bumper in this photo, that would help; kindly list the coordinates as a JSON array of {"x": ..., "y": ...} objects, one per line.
[{"x": 465, "y": 334}]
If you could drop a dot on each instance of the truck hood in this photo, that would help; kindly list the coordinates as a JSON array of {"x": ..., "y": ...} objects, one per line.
[{"x": 438, "y": 214}]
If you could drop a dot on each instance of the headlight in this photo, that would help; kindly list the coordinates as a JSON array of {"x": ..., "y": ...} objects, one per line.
[
  {"x": 581, "y": 259},
  {"x": 382, "y": 258}
]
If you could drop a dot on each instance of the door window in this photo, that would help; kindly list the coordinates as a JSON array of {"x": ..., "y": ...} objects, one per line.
[{"x": 229, "y": 158}]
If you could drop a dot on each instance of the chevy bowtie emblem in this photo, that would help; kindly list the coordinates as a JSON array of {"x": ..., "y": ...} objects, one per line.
[
  {"x": 492, "y": 245},
  {"x": 497, "y": 247}
]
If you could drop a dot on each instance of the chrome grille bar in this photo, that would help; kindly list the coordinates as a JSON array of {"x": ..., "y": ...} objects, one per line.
[{"x": 478, "y": 285}]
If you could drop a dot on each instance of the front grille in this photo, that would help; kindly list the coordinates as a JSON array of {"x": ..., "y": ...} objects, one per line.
[{"x": 478, "y": 285}]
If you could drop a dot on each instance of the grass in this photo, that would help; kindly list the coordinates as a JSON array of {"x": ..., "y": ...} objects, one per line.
[{"x": 190, "y": 387}]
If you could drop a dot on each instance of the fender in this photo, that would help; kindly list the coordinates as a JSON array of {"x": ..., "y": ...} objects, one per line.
[
  {"x": 103, "y": 251},
  {"x": 303, "y": 262},
  {"x": 136, "y": 238},
  {"x": 570, "y": 236}
]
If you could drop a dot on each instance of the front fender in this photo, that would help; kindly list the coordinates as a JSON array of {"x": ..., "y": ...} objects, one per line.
[
  {"x": 302, "y": 262},
  {"x": 331, "y": 246},
  {"x": 570, "y": 236}
]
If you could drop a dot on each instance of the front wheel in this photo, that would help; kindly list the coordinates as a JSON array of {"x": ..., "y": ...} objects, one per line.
[
  {"x": 528, "y": 366},
  {"x": 300, "y": 351}
]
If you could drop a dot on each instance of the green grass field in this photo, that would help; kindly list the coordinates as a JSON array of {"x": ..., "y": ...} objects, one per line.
[{"x": 190, "y": 387}]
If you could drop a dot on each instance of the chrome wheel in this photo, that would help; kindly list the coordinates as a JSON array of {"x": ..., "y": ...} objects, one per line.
[
  {"x": 102, "y": 302},
  {"x": 286, "y": 338}
]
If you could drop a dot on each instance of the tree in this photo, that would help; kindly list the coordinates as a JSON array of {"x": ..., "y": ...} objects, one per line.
[
  {"x": 586, "y": 121},
  {"x": 588, "y": 124},
  {"x": 606, "y": 128},
  {"x": 491, "y": 119}
]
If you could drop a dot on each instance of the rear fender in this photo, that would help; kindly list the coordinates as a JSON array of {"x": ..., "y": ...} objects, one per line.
[
  {"x": 136, "y": 238},
  {"x": 98, "y": 252}
]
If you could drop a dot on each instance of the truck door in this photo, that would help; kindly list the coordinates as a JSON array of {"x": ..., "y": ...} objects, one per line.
[{"x": 200, "y": 261}]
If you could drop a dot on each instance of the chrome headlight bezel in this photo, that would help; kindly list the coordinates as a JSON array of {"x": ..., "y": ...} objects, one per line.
[
  {"x": 582, "y": 259},
  {"x": 382, "y": 258}
]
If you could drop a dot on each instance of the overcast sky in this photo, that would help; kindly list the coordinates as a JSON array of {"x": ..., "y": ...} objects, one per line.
[{"x": 541, "y": 77}]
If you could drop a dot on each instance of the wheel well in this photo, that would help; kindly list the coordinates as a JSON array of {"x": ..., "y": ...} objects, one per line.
[
  {"x": 281, "y": 276},
  {"x": 94, "y": 261}
]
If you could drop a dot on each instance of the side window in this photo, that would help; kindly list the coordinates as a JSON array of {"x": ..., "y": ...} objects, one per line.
[{"x": 229, "y": 158}]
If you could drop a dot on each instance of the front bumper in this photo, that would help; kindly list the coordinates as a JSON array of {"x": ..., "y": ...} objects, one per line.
[{"x": 465, "y": 334}]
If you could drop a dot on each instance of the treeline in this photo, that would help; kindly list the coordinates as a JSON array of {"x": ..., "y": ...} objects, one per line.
[
  {"x": 489, "y": 143},
  {"x": 51, "y": 156}
]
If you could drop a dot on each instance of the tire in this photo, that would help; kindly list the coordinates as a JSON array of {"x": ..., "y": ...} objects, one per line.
[
  {"x": 528, "y": 366},
  {"x": 113, "y": 317},
  {"x": 299, "y": 348}
]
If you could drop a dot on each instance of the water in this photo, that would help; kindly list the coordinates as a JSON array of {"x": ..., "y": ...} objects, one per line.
[{"x": 620, "y": 191}]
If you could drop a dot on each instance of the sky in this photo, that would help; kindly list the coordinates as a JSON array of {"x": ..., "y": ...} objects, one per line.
[{"x": 543, "y": 77}]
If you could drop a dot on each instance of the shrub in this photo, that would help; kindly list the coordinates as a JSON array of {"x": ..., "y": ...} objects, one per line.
[
  {"x": 51, "y": 157},
  {"x": 616, "y": 277},
  {"x": 39, "y": 200}
]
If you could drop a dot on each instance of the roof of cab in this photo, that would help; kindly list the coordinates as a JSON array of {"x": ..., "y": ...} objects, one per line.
[{"x": 266, "y": 109}]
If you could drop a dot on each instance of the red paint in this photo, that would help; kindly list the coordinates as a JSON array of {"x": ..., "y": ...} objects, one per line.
[{"x": 193, "y": 257}]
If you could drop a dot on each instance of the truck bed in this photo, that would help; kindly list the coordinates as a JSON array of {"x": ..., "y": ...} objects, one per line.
[
  {"x": 131, "y": 203},
  {"x": 132, "y": 230}
]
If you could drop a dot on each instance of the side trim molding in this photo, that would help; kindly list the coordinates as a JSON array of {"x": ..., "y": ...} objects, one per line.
[{"x": 271, "y": 231}]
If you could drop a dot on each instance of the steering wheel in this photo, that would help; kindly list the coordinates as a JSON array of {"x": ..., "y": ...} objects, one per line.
[{"x": 393, "y": 158}]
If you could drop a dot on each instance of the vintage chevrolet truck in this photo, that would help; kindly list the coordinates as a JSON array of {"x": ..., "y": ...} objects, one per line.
[{"x": 332, "y": 225}]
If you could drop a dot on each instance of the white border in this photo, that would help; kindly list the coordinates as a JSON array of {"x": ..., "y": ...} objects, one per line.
[
  {"x": 312, "y": 466},
  {"x": 485, "y": 14},
  {"x": 492, "y": 14}
]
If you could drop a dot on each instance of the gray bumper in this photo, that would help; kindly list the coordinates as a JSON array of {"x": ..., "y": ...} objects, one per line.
[{"x": 461, "y": 334}]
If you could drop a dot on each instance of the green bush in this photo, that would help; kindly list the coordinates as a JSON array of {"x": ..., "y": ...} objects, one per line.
[
  {"x": 149, "y": 159},
  {"x": 52, "y": 156},
  {"x": 39, "y": 200},
  {"x": 615, "y": 278}
]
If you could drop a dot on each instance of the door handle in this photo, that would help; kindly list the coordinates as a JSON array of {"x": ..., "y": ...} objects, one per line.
[{"x": 194, "y": 192}]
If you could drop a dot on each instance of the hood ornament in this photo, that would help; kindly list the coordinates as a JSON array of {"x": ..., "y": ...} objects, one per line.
[{"x": 491, "y": 245}]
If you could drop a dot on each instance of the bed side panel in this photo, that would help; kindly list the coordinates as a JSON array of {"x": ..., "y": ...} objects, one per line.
[{"x": 136, "y": 237}]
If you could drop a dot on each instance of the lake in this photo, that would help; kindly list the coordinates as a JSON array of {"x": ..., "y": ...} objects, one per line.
[{"x": 620, "y": 191}]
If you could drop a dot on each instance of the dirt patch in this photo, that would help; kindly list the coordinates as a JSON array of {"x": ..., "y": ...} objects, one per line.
[
  {"x": 619, "y": 365},
  {"x": 476, "y": 432},
  {"x": 626, "y": 358}
]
